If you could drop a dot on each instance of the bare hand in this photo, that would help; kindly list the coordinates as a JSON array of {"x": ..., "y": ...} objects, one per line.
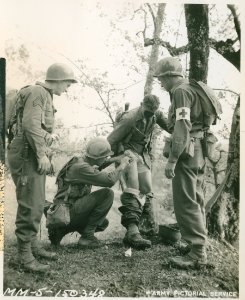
[
  {"x": 125, "y": 161},
  {"x": 43, "y": 165},
  {"x": 55, "y": 137},
  {"x": 169, "y": 170}
]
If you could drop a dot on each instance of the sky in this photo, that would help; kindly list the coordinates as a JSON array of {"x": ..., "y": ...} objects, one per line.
[{"x": 55, "y": 31}]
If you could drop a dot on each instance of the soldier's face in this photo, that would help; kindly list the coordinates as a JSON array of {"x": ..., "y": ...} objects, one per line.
[
  {"x": 61, "y": 87},
  {"x": 148, "y": 113},
  {"x": 164, "y": 82},
  {"x": 100, "y": 161}
]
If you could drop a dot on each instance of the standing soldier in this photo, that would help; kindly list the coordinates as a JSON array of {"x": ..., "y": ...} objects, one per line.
[
  {"x": 186, "y": 161},
  {"x": 133, "y": 132},
  {"x": 33, "y": 125}
]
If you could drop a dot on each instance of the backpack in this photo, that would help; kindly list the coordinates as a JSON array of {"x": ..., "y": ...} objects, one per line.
[
  {"x": 72, "y": 189},
  {"x": 11, "y": 99},
  {"x": 211, "y": 106},
  {"x": 120, "y": 113},
  {"x": 11, "y": 111}
]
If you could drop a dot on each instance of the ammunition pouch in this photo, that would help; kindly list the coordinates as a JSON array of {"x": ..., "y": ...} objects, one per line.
[
  {"x": 189, "y": 150},
  {"x": 208, "y": 144}
]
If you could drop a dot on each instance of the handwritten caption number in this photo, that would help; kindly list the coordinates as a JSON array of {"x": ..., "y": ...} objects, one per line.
[{"x": 96, "y": 293}]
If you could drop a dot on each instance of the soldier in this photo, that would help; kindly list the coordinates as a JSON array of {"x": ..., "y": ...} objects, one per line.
[
  {"x": 28, "y": 159},
  {"x": 186, "y": 162},
  {"x": 87, "y": 210},
  {"x": 133, "y": 132}
]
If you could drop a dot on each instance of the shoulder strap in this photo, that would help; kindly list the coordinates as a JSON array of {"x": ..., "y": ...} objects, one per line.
[{"x": 63, "y": 171}]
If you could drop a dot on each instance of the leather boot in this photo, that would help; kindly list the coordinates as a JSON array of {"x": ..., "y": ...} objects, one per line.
[
  {"x": 27, "y": 260},
  {"x": 134, "y": 239},
  {"x": 183, "y": 247},
  {"x": 39, "y": 251},
  {"x": 195, "y": 259},
  {"x": 89, "y": 242}
]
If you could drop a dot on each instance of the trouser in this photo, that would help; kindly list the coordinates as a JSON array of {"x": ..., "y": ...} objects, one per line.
[
  {"x": 30, "y": 190},
  {"x": 138, "y": 179},
  {"x": 188, "y": 197},
  {"x": 90, "y": 211}
]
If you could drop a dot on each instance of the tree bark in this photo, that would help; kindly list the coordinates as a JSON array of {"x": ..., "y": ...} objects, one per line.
[
  {"x": 158, "y": 20},
  {"x": 223, "y": 220},
  {"x": 198, "y": 35}
]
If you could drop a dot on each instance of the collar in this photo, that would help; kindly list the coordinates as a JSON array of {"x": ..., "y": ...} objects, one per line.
[
  {"x": 45, "y": 86},
  {"x": 178, "y": 84}
]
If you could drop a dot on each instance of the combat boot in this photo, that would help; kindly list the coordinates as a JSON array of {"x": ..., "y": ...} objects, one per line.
[
  {"x": 183, "y": 247},
  {"x": 27, "y": 260},
  {"x": 195, "y": 259},
  {"x": 134, "y": 239},
  {"x": 39, "y": 251},
  {"x": 89, "y": 242}
]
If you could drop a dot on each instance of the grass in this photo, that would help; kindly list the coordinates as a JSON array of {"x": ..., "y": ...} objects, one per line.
[{"x": 107, "y": 270}]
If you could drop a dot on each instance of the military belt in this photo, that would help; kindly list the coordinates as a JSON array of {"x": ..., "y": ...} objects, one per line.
[{"x": 197, "y": 134}]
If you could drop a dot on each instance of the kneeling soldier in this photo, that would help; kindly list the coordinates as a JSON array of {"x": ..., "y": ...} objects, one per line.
[{"x": 87, "y": 210}]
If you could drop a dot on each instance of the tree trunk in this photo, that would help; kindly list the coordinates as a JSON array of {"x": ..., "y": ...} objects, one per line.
[
  {"x": 223, "y": 220},
  {"x": 198, "y": 35},
  {"x": 155, "y": 48}
]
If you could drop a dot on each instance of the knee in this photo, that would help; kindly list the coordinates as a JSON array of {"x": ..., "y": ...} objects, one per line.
[
  {"x": 145, "y": 190},
  {"x": 108, "y": 194}
]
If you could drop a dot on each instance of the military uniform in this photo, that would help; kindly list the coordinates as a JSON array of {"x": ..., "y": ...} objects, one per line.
[
  {"x": 33, "y": 131},
  {"x": 186, "y": 121},
  {"x": 87, "y": 210},
  {"x": 134, "y": 132}
]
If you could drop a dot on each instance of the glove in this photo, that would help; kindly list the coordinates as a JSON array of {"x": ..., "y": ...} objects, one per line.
[
  {"x": 43, "y": 165},
  {"x": 169, "y": 170}
]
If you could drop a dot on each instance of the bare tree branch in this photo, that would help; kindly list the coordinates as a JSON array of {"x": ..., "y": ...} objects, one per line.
[
  {"x": 152, "y": 14},
  {"x": 226, "y": 90},
  {"x": 236, "y": 20},
  {"x": 145, "y": 27},
  {"x": 178, "y": 27}
]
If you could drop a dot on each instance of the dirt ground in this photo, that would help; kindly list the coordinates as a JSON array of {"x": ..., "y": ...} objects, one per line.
[{"x": 108, "y": 272}]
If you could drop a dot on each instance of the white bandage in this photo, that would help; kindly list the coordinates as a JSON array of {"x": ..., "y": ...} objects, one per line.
[{"x": 183, "y": 113}]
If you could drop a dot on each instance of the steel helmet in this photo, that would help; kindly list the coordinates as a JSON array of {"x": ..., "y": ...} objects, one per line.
[
  {"x": 60, "y": 72},
  {"x": 98, "y": 148},
  {"x": 169, "y": 66}
]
